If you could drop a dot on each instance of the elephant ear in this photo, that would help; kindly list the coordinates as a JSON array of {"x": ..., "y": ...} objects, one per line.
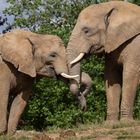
[
  {"x": 123, "y": 23},
  {"x": 18, "y": 50}
]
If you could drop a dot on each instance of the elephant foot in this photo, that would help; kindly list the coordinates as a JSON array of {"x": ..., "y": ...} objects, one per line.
[
  {"x": 127, "y": 121},
  {"x": 111, "y": 123},
  {"x": 112, "y": 119},
  {"x": 10, "y": 133},
  {"x": 2, "y": 131},
  {"x": 82, "y": 102}
]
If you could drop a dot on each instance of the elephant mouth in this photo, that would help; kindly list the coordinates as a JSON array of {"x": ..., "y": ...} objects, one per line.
[
  {"x": 93, "y": 49},
  {"x": 96, "y": 49},
  {"x": 47, "y": 71}
]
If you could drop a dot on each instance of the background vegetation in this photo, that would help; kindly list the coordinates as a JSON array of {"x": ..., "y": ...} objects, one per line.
[{"x": 52, "y": 105}]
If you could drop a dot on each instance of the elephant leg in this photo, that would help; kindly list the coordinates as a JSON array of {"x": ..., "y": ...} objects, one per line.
[
  {"x": 16, "y": 110},
  {"x": 130, "y": 83},
  {"x": 4, "y": 94},
  {"x": 113, "y": 91}
]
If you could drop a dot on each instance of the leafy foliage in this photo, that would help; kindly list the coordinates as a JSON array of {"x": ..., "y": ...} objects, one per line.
[
  {"x": 135, "y": 1},
  {"x": 52, "y": 104}
]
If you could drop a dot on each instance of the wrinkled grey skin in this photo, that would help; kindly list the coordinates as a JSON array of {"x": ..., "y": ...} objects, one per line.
[
  {"x": 23, "y": 57},
  {"x": 81, "y": 92},
  {"x": 113, "y": 29}
]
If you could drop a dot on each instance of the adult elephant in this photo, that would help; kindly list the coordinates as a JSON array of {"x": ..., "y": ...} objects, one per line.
[
  {"x": 113, "y": 28},
  {"x": 23, "y": 56}
]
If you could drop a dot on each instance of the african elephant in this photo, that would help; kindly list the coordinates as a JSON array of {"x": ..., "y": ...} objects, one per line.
[
  {"x": 24, "y": 56},
  {"x": 111, "y": 28}
]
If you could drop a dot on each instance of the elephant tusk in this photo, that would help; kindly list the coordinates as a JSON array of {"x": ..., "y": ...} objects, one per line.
[
  {"x": 78, "y": 58},
  {"x": 69, "y": 76}
]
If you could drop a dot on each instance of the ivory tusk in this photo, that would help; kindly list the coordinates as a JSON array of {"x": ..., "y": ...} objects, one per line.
[
  {"x": 78, "y": 58},
  {"x": 69, "y": 76}
]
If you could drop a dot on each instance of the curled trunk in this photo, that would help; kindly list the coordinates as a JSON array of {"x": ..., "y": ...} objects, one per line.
[{"x": 79, "y": 86}]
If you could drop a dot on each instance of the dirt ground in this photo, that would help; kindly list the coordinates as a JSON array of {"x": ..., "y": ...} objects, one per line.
[{"x": 118, "y": 131}]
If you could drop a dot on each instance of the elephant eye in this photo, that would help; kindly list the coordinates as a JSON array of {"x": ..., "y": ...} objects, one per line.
[
  {"x": 87, "y": 31},
  {"x": 53, "y": 55}
]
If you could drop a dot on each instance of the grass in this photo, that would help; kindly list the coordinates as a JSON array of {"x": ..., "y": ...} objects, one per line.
[
  {"x": 118, "y": 131},
  {"x": 13, "y": 138}
]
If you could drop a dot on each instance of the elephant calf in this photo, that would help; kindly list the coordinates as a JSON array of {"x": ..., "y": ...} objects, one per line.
[{"x": 23, "y": 56}]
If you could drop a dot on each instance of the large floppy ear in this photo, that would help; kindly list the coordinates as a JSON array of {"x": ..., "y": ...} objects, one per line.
[
  {"x": 18, "y": 50},
  {"x": 122, "y": 23}
]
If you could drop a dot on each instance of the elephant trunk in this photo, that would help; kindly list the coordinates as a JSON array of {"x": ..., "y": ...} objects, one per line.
[
  {"x": 72, "y": 53},
  {"x": 76, "y": 49},
  {"x": 74, "y": 69}
]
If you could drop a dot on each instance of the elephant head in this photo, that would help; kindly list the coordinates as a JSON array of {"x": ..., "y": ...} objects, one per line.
[
  {"x": 101, "y": 28},
  {"x": 34, "y": 54}
]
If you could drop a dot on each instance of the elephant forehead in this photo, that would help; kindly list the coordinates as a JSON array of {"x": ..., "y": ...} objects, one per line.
[
  {"x": 86, "y": 14},
  {"x": 88, "y": 21},
  {"x": 52, "y": 40},
  {"x": 93, "y": 11},
  {"x": 90, "y": 16},
  {"x": 51, "y": 46},
  {"x": 58, "y": 49}
]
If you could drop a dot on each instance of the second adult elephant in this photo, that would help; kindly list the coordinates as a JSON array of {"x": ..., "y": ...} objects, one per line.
[
  {"x": 111, "y": 28},
  {"x": 23, "y": 56}
]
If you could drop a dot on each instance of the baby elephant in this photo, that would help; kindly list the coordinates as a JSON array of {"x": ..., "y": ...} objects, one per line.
[{"x": 23, "y": 56}]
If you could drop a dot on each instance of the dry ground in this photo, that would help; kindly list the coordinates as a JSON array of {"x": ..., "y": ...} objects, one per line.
[{"x": 118, "y": 131}]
